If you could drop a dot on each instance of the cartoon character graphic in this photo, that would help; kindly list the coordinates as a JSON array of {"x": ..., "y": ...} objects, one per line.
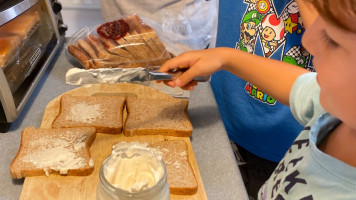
[
  {"x": 273, "y": 31},
  {"x": 263, "y": 6},
  {"x": 294, "y": 53},
  {"x": 293, "y": 23},
  {"x": 299, "y": 56},
  {"x": 248, "y": 31},
  {"x": 277, "y": 29}
]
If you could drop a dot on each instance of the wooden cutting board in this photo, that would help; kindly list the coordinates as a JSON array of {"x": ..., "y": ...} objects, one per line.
[{"x": 84, "y": 187}]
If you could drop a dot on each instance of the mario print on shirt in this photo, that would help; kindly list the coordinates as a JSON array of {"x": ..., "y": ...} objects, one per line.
[
  {"x": 295, "y": 53},
  {"x": 275, "y": 35},
  {"x": 249, "y": 30},
  {"x": 272, "y": 32}
]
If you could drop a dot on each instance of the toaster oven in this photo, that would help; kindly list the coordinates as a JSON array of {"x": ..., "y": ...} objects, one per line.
[{"x": 31, "y": 31}]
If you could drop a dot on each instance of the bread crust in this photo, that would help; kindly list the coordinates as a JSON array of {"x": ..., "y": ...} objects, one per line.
[
  {"x": 180, "y": 174},
  {"x": 87, "y": 48},
  {"x": 99, "y": 49},
  {"x": 115, "y": 48},
  {"x": 81, "y": 56}
]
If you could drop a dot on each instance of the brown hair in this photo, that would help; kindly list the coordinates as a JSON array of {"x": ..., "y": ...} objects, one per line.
[{"x": 341, "y": 13}]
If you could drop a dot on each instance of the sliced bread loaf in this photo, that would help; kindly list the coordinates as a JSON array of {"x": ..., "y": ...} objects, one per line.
[
  {"x": 46, "y": 151},
  {"x": 180, "y": 175},
  {"x": 105, "y": 113},
  {"x": 157, "y": 117}
]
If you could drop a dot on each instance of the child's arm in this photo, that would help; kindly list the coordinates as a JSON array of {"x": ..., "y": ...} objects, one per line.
[{"x": 271, "y": 76}]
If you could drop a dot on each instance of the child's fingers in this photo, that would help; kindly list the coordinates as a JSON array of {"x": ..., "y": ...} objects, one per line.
[
  {"x": 169, "y": 83},
  {"x": 174, "y": 63},
  {"x": 185, "y": 77},
  {"x": 190, "y": 86}
]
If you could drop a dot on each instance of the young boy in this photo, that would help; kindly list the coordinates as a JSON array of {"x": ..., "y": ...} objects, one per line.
[
  {"x": 320, "y": 164},
  {"x": 272, "y": 29}
]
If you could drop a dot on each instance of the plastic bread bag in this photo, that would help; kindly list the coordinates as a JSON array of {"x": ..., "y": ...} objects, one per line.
[
  {"x": 193, "y": 28},
  {"x": 126, "y": 42},
  {"x": 182, "y": 25},
  {"x": 139, "y": 46}
]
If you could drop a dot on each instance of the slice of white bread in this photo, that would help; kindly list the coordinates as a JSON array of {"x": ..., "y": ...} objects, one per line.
[
  {"x": 105, "y": 113},
  {"x": 46, "y": 151},
  {"x": 157, "y": 117},
  {"x": 8, "y": 46},
  {"x": 21, "y": 25},
  {"x": 180, "y": 175}
]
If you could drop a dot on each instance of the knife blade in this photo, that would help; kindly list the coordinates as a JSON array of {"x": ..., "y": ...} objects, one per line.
[{"x": 76, "y": 76}]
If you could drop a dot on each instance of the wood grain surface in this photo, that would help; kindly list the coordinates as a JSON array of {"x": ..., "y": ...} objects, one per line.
[{"x": 84, "y": 187}]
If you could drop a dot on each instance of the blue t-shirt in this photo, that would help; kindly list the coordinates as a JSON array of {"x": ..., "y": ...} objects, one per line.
[
  {"x": 252, "y": 118},
  {"x": 305, "y": 172}
]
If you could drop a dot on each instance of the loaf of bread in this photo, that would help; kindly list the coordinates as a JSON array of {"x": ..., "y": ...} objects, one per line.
[
  {"x": 157, "y": 117},
  {"x": 105, "y": 113},
  {"x": 180, "y": 175},
  {"x": 139, "y": 47},
  {"x": 61, "y": 151},
  {"x": 148, "y": 37}
]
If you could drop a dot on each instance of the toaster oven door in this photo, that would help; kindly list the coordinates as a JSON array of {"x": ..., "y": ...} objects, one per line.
[{"x": 28, "y": 41}]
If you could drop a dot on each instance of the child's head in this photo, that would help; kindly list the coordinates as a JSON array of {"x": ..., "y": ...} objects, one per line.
[
  {"x": 332, "y": 41},
  {"x": 338, "y": 12}
]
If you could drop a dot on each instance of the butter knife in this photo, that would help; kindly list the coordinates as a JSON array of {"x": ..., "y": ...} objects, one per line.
[{"x": 76, "y": 76}]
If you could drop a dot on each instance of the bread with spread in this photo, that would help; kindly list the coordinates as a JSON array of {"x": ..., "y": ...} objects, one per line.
[
  {"x": 180, "y": 175},
  {"x": 105, "y": 113},
  {"x": 157, "y": 117},
  {"x": 61, "y": 151}
]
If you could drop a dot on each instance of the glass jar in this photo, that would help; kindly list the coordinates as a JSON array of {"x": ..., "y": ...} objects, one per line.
[{"x": 107, "y": 191}]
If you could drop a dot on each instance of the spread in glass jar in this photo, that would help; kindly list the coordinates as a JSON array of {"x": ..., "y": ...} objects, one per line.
[{"x": 133, "y": 171}]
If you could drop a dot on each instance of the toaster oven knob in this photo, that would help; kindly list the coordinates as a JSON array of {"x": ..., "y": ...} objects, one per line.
[
  {"x": 57, "y": 7},
  {"x": 62, "y": 28}
]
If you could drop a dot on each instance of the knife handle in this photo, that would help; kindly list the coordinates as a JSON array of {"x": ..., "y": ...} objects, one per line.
[
  {"x": 202, "y": 78},
  {"x": 197, "y": 78},
  {"x": 174, "y": 73}
]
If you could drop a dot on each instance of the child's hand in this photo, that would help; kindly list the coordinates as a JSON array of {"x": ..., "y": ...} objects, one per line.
[{"x": 199, "y": 63}]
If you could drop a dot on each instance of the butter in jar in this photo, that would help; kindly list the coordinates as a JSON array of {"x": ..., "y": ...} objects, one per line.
[{"x": 133, "y": 171}]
